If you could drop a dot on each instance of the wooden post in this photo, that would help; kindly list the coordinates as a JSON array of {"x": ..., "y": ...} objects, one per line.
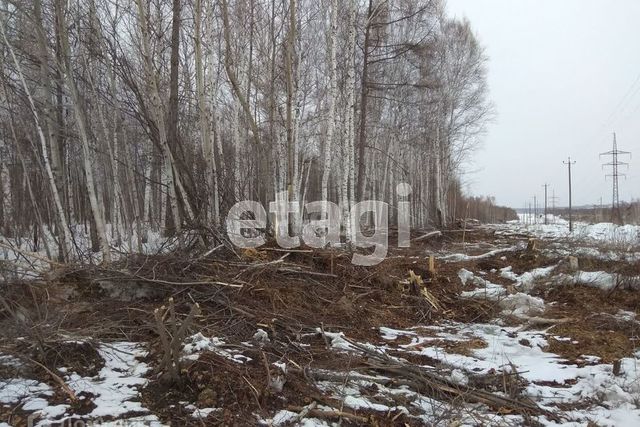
[
  {"x": 432, "y": 266},
  {"x": 331, "y": 262}
]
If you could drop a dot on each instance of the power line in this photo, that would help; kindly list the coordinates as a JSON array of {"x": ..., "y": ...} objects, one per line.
[
  {"x": 622, "y": 105},
  {"x": 616, "y": 216}
]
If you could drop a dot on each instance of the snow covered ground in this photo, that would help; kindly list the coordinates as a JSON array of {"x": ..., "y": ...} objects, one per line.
[
  {"x": 558, "y": 227},
  {"x": 113, "y": 392},
  {"x": 12, "y": 249},
  {"x": 550, "y": 380}
]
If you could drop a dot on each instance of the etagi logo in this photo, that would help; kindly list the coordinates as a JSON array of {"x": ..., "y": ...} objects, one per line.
[{"x": 323, "y": 226}]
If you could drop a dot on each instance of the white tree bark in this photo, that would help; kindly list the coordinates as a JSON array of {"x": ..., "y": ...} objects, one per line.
[
  {"x": 331, "y": 100},
  {"x": 45, "y": 95},
  {"x": 349, "y": 128},
  {"x": 237, "y": 152},
  {"x": 170, "y": 175},
  {"x": 97, "y": 209},
  {"x": 117, "y": 229},
  {"x": 67, "y": 254},
  {"x": 5, "y": 188},
  {"x": 204, "y": 112}
]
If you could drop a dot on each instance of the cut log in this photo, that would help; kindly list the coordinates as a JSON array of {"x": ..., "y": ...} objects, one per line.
[{"x": 428, "y": 235}]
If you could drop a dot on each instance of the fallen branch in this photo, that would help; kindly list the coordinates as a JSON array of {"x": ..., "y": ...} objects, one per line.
[
  {"x": 28, "y": 254},
  {"x": 306, "y": 272},
  {"x": 305, "y": 411},
  {"x": 423, "y": 380},
  {"x": 297, "y": 251},
  {"x": 167, "y": 282},
  {"x": 541, "y": 321},
  {"x": 209, "y": 252},
  {"x": 319, "y": 413},
  {"x": 436, "y": 233},
  {"x": 72, "y": 396}
]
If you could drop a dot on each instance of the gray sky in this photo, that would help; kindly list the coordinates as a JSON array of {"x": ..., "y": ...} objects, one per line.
[{"x": 563, "y": 76}]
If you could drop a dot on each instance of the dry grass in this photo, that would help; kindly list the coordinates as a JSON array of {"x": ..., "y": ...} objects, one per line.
[{"x": 595, "y": 325}]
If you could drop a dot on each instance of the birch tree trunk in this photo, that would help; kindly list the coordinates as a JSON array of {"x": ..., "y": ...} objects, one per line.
[
  {"x": 237, "y": 152},
  {"x": 331, "y": 99},
  {"x": 5, "y": 191},
  {"x": 118, "y": 222},
  {"x": 88, "y": 162},
  {"x": 40, "y": 222},
  {"x": 233, "y": 79},
  {"x": 170, "y": 174},
  {"x": 146, "y": 204},
  {"x": 290, "y": 120},
  {"x": 348, "y": 130},
  {"x": 364, "y": 98},
  {"x": 46, "y": 98},
  {"x": 172, "y": 118},
  {"x": 52, "y": 118},
  {"x": 65, "y": 233},
  {"x": 205, "y": 119},
  {"x": 112, "y": 148},
  {"x": 437, "y": 175}
]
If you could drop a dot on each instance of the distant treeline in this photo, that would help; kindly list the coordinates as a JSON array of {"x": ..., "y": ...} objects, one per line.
[
  {"x": 629, "y": 211},
  {"x": 484, "y": 209}
]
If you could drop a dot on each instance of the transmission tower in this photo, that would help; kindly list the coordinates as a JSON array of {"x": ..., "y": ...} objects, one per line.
[{"x": 616, "y": 216}]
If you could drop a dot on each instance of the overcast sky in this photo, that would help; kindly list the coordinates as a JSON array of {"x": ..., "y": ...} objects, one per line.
[{"x": 563, "y": 76}]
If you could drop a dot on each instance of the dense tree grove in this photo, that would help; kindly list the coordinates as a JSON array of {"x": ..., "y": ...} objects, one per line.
[
  {"x": 482, "y": 209},
  {"x": 137, "y": 115}
]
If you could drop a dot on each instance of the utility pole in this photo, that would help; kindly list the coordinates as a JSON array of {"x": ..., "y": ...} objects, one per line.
[
  {"x": 535, "y": 209},
  {"x": 546, "y": 186},
  {"x": 569, "y": 163},
  {"x": 529, "y": 216},
  {"x": 601, "y": 210},
  {"x": 616, "y": 216},
  {"x": 554, "y": 199}
]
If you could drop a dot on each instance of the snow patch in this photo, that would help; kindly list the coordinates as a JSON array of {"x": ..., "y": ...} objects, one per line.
[
  {"x": 198, "y": 343},
  {"x": 522, "y": 305}
]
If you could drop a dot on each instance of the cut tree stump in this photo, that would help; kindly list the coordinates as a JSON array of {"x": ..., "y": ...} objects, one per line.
[{"x": 432, "y": 266}]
